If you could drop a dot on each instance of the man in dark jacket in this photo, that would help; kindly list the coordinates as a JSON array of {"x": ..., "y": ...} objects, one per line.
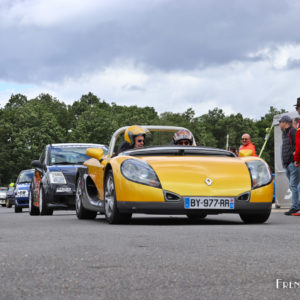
[{"x": 287, "y": 156}]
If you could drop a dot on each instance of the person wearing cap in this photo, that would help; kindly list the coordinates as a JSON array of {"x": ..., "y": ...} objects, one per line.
[
  {"x": 247, "y": 148},
  {"x": 287, "y": 157}
]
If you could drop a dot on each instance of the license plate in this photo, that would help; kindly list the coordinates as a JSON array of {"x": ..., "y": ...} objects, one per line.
[
  {"x": 209, "y": 202},
  {"x": 63, "y": 190}
]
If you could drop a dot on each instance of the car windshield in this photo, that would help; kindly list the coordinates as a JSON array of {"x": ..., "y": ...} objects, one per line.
[
  {"x": 25, "y": 176},
  {"x": 70, "y": 155}
]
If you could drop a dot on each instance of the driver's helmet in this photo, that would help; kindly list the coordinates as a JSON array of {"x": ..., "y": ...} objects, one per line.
[
  {"x": 183, "y": 134},
  {"x": 133, "y": 131}
]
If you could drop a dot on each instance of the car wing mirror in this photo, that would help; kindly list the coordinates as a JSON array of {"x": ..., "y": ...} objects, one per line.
[
  {"x": 95, "y": 153},
  {"x": 37, "y": 164}
]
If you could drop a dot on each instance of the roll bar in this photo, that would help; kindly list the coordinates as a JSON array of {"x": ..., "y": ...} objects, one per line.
[{"x": 149, "y": 127}]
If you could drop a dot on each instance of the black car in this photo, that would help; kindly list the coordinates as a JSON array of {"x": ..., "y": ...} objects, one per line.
[{"x": 53, "y": 185}]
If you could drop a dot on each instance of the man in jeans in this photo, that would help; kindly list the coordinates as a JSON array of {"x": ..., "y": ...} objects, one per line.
[{"x": 287, "y": 156}]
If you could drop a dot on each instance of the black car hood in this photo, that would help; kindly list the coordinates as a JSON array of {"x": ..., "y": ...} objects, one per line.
[
  {"x": 69, "y": 171},
  {"x": 66, "y": 169}
]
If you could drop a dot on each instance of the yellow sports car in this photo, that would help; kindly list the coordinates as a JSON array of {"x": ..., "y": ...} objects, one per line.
[{"x": 171, "y": 179}]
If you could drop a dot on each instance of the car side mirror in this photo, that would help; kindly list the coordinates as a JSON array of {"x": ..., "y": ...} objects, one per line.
[
  {"x": 95, "y": 153},
  {"x": 37, "y": 164}
]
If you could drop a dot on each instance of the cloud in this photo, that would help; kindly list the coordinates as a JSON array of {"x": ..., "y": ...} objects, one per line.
[
  {"x": 249, "y": 88},
  {"x": 237, "y": 55}
]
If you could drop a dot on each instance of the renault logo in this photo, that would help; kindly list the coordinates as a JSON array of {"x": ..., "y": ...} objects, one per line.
[{"x": 208, "y": 181}]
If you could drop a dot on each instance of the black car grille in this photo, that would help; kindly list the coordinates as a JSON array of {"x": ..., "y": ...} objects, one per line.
[{"x": 70, "y": 178}]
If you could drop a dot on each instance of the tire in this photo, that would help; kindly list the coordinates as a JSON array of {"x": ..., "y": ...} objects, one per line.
[
  {"x": 257, "y": 218},
  {"x": 43, "y": 207},
  {"x": 81, "y": 212},
  {"x": 3, "y": 205},
  {"x": 18, "y": 209},
  {"x": 33, "y": 210},
  {"x": 112, "y": 214},
  {"x": 7, "y": 204},
  {"x": 194, "y": 217}
]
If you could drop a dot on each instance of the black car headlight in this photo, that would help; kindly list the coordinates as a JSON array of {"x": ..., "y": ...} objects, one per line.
[
  {"x": 57, "y": 178},
  {"x": 260, "y": 173},
  {"x": 139, "y": 171}
]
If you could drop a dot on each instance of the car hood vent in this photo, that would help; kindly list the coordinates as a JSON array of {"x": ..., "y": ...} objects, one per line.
[{"x": 171, "y": 197}]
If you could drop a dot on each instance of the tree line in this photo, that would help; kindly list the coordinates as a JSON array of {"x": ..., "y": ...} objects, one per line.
[{"x": 26, "y": 126}]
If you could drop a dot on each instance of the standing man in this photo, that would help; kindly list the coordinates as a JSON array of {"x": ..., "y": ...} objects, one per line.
[
  {"x": 247, "y": 148},
  {"x": 297, "y": 149},
  {"x": 287, "y": 157}
]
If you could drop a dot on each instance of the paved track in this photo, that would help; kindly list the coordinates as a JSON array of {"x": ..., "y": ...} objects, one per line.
[{"x": 154, "y": 257}]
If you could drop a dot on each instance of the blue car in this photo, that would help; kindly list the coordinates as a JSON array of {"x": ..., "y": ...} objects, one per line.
[{"x": 22, "y": 190}]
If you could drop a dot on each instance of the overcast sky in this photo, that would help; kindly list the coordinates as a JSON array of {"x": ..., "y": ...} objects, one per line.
[{"x": 238, "y": 55}]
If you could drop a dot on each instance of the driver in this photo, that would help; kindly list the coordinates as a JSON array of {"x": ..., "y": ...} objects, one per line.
[
  {"x": 134, "y": 138},
  {"x": 183, "y": 137}
]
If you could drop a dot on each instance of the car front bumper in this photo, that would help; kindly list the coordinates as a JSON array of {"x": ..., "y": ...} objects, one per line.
[
  {"x": 22, "y": 201},
  {"x": 60, "y": 196},
  {"x": 178, "y": 208}
]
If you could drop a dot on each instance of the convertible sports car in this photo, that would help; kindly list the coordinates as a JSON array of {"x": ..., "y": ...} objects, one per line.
[{"x": 190, "y": 180}]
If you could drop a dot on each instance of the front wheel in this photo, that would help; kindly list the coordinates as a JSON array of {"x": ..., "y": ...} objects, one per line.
[
  {"x": 81, "y": 212},
  {"x": 33, "y": 210},
  {"x": 43, "y": 207},
  {"x": 8, "y": 205},
  {"x": 112, "y": 214},
  {"x": 255, "y": 218}
]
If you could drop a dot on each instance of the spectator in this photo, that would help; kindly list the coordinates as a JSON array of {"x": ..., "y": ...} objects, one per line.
[
  {"x": 297, "y": 148},
  {"x": 247, "y": 148},
  {"x": 287, "y": 150},
  {"x": 295, "y": 122}
]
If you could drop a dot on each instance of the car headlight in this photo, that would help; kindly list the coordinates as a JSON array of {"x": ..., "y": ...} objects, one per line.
[
  {"x": 57, "y": 178},
  {"x": 22, "y": 193},
  {"x": 260, "y": 173},
  {"x": 139, "y": 171}
]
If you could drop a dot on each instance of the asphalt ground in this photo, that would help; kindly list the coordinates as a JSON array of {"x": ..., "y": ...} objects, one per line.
[{"x": 154, "y": 257}]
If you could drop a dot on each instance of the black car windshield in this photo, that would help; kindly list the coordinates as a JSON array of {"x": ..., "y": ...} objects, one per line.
[
  {"x": 25, "y": 176},
  {"x": 70, "y": 155}
]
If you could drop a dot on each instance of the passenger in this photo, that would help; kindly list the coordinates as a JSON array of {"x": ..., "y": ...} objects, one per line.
[
  {"x": 134, "y": 138},
  {"x": 183, "y": 137},
  {"x": 247, "y": 148}
]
